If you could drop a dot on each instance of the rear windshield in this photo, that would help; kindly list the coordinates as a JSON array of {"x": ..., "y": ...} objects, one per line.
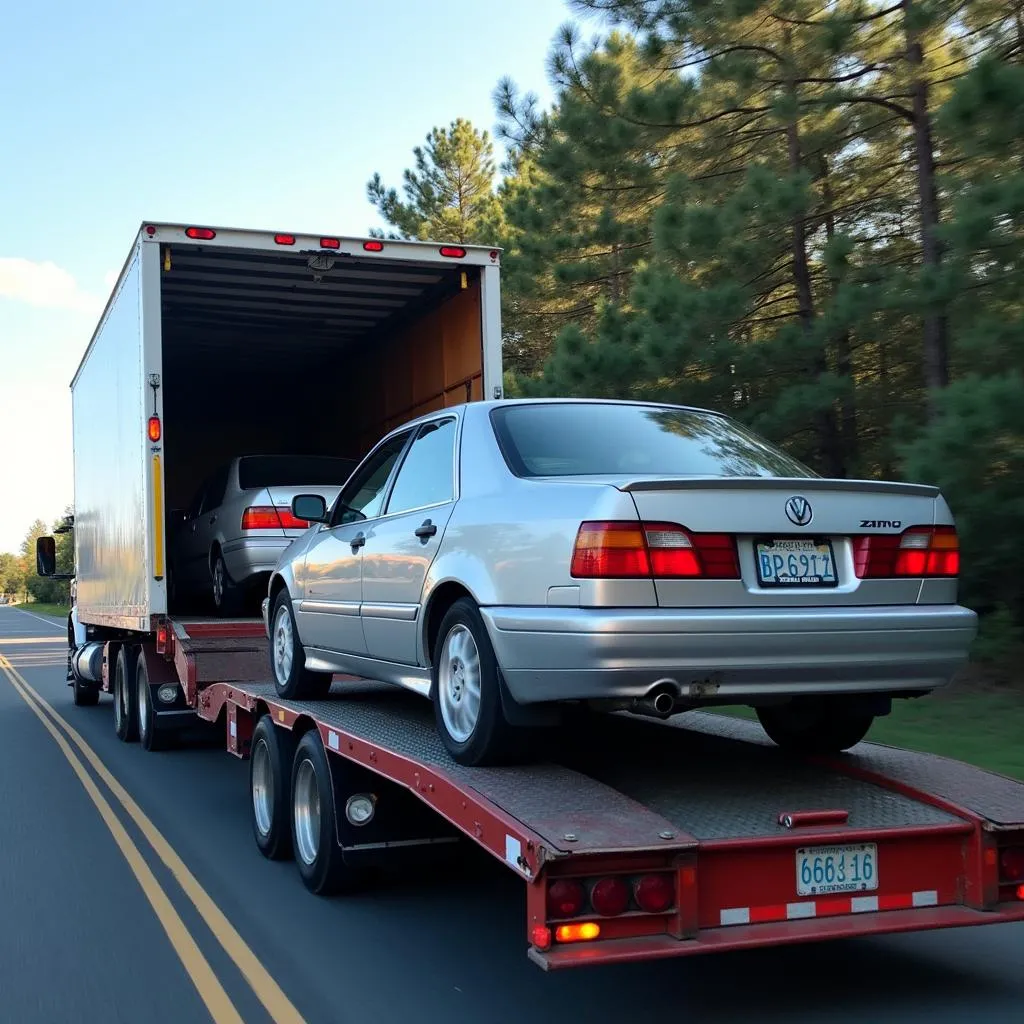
[
  {"x": 584, "y": 439},
  {"x": 292, "y": 471}
]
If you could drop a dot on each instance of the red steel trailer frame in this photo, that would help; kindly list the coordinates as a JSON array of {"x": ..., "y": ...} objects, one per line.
[{"x": 689, "y": 837}]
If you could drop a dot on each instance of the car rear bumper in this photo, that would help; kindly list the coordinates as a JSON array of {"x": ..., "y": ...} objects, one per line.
[
  {"x": 549, "y": 654},
  {"x": 251, "y": 556}
]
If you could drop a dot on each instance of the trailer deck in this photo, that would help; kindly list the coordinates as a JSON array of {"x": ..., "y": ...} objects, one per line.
[{"x": 704, "y": 797}]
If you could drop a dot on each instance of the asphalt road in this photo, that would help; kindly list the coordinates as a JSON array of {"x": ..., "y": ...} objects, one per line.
[{"x": 80, "y": 939}]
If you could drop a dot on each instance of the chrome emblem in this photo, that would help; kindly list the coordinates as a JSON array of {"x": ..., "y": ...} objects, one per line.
[{"x": 798, "y": 511}]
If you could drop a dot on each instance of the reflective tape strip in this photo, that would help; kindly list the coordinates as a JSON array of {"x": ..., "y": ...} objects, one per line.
[{"x": 833, "y": 906}]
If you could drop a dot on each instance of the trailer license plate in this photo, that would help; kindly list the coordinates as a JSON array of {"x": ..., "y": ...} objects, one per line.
[
  {"x": 821, "y": 870},
  {"x": 795, "y": 562}
]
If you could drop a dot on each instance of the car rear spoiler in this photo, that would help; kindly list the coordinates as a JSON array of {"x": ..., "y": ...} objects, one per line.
[{"x": 809, "y": 485}]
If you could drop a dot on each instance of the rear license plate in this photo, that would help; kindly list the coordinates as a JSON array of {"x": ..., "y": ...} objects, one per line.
[
  {"x": 821, "y": 870},
  {"x": 795, "y": 562}
]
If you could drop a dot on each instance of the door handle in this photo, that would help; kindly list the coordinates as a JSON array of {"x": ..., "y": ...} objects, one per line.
[
  {"x": 358, "y": 541},
  {"x": 428, "y": 529},
  {"x": 213, "y": 519}
]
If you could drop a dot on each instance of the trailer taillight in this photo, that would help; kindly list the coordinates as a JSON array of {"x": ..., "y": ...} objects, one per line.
[
  {"x": 161, "y": 638},
  {"x": 373, "y": 246},
  {"x": 203, "y": 233},
  {"x": 585, "y": 932},
  {"x": 654, "y": 894},
  {"x": 153, "y": 428},
  {"x": 1011, "y": 865},
  {"x": 330, "y": 243},
  {"x": 566, "y": 898},
  {"x": 610, "y": 896},
  {"x": 453, "y": 252},
  {"x": 920, "y": 551},
  {"x": 284, "y": 239}
]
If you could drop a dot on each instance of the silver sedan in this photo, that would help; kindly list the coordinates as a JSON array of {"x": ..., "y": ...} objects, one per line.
[{"x": 508, "y": 558}]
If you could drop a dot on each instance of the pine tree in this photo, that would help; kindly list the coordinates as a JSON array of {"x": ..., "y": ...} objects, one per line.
[{"x": 450, "y": 195}]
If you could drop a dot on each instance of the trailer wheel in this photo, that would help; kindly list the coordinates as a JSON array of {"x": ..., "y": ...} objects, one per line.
[
  {"x": 270, "y": 776},
  {"x": 319, "y": 858},
  {"x": 151, "y": 737},
  {"x": 292, "y": 679},
  {"x": 126, "y": 709},
  {"x": 465, "y": 690},
  {"x": 814, "y": 727}
]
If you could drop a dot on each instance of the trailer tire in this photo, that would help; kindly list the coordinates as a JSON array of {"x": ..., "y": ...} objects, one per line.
[
  {"x": 126, "y": 710},
  {"x": 151, "y": 737},
  {"x": 814, "y": 728},
  {"x": 465, "y": 671},
  {"x": 271, "y": 758},
  {"x": 319, "y": 858},
  {"x": 292, "y": 680}
]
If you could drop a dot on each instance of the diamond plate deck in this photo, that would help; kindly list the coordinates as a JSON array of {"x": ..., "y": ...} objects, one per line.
[{"x": 617, "y": 781}]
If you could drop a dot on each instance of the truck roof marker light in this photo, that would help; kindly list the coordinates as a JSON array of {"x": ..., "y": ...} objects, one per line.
[
  {"x": 284, "y": 239},
  {"x": 373, "y": 246},
  {"x": 153, "y": 428},
  {"x": 206, "y": 234},
  {"x": 330, "y": 243},
  {"x": 150, "y": 230},
  {"x": 585, "y": 932},
  {"x": 453, "y": 252}
]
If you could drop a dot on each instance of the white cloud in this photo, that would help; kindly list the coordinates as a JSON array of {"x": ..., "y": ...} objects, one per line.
[
  {"x": 110, "y": 279},
  {"x": 45, "y": 285}
]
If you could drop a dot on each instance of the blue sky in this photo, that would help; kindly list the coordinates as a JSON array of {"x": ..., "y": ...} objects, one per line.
[{"x": 254, "y": 114}]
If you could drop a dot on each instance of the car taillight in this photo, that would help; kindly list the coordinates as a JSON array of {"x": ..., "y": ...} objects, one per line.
[
  {"x": 261, "y": 517},
  {"x": 1011, "y": 865},
  {"x": 654, "y": 894},
  {"x": 920, "y": 551},
  {"x": 610, "y": 896},
  {"x": 291, "y": 522},
  {"x": 632, "y": 550},
  {"x": 566, "y": 898}
]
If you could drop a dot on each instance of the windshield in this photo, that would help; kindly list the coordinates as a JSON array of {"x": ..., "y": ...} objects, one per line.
[
  {"x": 292, "y": 471},
  {"x": 591, "y": 439}
]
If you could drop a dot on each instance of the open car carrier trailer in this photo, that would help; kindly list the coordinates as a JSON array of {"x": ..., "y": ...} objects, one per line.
[{"x": 636, "y": 839}]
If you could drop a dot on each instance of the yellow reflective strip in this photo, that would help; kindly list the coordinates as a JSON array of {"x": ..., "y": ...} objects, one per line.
[{"x": 158, "y": 520}]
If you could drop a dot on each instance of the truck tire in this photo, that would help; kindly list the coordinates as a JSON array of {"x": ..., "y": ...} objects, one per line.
[
  {"x": 151, "y": 737},
  {"x": 465, "y": 689},
  {"x": 318, "y": 856},
  {"x": 126, "y": 709},
  {"x": 225, "y": 593},
  {"x": 85, "y": 695},
  {"x": 271, "y": 758},
  {"x": 814, "y": 727},
  {"x": 292, "y": 680}
]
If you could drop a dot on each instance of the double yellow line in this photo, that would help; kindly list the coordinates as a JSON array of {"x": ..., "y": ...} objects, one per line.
[{"x": 210, "y": 990}]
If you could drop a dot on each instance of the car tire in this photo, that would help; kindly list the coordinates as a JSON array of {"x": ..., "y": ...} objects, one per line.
[
  {"x": 814, "y": 727},
  {"x": 292, "y": 680},
  {"x": 126, "y": 711},
  {"x": 224, "y": 590},
  {"x": 271, "y": 758},
  {"x": 466, "y": 691}
]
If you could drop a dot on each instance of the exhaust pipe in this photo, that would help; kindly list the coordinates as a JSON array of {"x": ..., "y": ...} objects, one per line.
[
  {"x": 659, "y": 701},
  {"x": 87, "y": 663}
]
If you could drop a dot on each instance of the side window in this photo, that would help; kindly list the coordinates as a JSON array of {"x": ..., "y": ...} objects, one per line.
[
  {"x": 216, "y": 488},
  {"x": 427, "y": 475},
  {"x": 363, "y": 495},
  {"x": 196, "y": 504}
]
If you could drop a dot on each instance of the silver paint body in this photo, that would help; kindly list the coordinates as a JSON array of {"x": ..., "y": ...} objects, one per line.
[{"x": 508, "y": 542}]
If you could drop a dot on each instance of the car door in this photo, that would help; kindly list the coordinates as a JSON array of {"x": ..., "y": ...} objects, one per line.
[
  {"x": 187, "y": 557},
  {"x": 328, "y": 612},
  {"x": 205, "y": 526},
  {"x": 401, "y": 544}
]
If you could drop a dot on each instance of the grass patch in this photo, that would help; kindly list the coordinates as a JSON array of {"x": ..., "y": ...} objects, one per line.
[
  {"x": 58, "y": 611},
  {"x": 979, "y": 727}
]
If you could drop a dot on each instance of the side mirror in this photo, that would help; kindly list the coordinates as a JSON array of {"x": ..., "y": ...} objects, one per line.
[
  {"x": 46, "y": 556},
  {"x": 309, "y": 507}
]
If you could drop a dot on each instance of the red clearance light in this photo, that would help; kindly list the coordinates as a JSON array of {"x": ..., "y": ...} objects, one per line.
[
  {"x": 373, "y": 246},
  {"x": 1020, "y": 892},
  {"x": 206, "y": 233},
  {"x": 654, "y": 894},
  {"x": 540, "y": 936},
  {"x": 153, "y": 428},
  {"x": 1011, "y": 864},
  {"x": 284, "y": 239},
  {"x": 161, "y": 639},
  {"x": 610, "y": 897},
  {"x": 453, "y": 252},
  {"x": 633, "y": 550},
  {"x": 920, "y": 551},
  {"x": 330, "y": 243},
  {"x": 565, "y": 898},
  {"x": 150, "y": 230},
  {"x": 585, "y": 932}
]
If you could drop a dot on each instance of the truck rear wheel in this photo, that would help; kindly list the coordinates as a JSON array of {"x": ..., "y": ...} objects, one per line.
[
  {"x": 318, "y": 856},
  {"x": 126, "y": 707},
  {"x": 466, "y": 690},
  {"x": 270, "y": 778},
  {"x": 151, "y": 736},
  {"x": 85, "y": 695},
  {"x": 292, "y": 679},
  {"x": 813, "y": 727}
]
